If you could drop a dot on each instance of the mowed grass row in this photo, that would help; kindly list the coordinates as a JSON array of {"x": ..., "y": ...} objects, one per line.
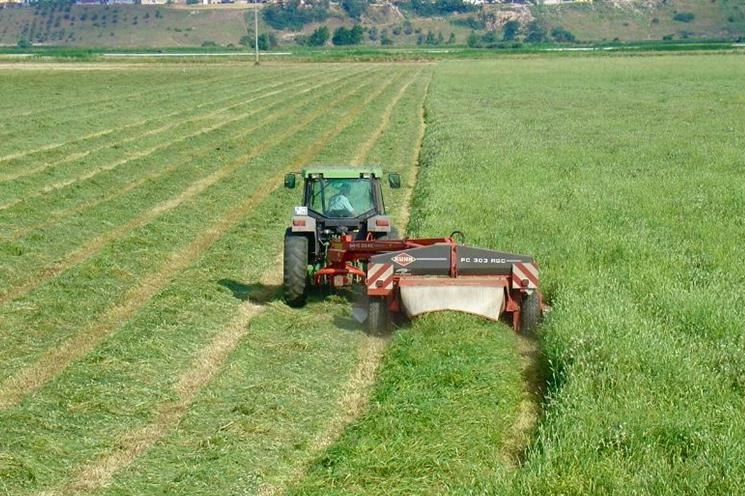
[
  {"x": 173, "y": 108},
  {"x": 622, "y": 177},
  {"x": 84, "y": 200},
  {"x": 107, "y": 269},
  {"x": 134, "y": 385},
  {"x": 35, "y": 123},
  {"x": 268, "y": 412}
]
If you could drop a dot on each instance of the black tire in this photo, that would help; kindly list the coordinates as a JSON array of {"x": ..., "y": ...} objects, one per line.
[
  {"x": 378, "y": 317},
  {"x": 530, "y": 313},
  {"x": 295, "y": 269}
]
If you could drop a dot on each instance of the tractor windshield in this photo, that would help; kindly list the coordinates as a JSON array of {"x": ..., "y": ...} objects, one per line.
[{"x": 342, "y": 197}]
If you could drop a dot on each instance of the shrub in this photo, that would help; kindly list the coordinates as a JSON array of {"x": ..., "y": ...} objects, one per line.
[
  {"x": 562, "y": 35},
  {"x": 535, "y": 33},
  {"x": 294, "y": 16},
  {"x": 319, "y": 37},
  {"x": 344, "y": 36},
  {"x": 355, "y": 8},
  {"x": 469, "y": 22},
  {"x": 510, "y": 29},
  {"x": 684, "y": 16}
]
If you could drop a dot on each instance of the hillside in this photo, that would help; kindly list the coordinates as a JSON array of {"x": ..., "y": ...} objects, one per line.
[{"x": 176, "y": 25}]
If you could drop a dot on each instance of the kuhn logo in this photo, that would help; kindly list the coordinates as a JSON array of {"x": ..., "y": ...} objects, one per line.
[{"x": 403, "y": 259}]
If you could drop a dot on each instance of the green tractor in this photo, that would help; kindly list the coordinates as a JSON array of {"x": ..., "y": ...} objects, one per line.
[{"x": 338, "y": 201}]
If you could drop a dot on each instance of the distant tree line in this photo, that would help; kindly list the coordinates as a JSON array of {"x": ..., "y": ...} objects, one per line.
[
  {"x": 293, "y": 15},
  {"x": 429, "y": 8},
  {"x": 532, "y": 32}
]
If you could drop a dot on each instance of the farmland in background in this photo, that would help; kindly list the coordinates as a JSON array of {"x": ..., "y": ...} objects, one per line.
[{"x": 144, "y": 349}]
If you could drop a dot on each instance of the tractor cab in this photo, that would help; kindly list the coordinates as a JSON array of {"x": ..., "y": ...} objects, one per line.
[{"x": 341, "y": 200}]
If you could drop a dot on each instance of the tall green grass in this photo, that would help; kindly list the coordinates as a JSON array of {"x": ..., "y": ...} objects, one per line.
[{"x": 621, "y": 176}]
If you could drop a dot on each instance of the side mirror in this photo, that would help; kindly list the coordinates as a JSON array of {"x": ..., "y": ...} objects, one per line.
[
  {"x": 290, "y": 181},
  {"x": 394, "y": 180}
]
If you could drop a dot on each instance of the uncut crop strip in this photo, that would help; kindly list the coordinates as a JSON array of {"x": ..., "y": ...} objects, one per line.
[
  {"x": 27, "y": 171},
  {"x": 206, "y": 362},
  {"x": 96, "y": 244},
  {"x": 34, "y": 190},
  {"x": 56, "y": 360},
  {"x": 59, "y": 213}
]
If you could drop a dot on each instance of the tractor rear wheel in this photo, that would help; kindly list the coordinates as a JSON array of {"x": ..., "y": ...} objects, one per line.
[
  {"x": 295, "y": 269},
  {"x": 378, "y": 317},
  {"x": 530, "y": 313}
]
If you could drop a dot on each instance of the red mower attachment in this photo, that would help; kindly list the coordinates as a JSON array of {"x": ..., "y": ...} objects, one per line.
[{"x": 417, "y": 276}]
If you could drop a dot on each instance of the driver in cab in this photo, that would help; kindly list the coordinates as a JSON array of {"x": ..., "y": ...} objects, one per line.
[{"x": 339, "y": 205}]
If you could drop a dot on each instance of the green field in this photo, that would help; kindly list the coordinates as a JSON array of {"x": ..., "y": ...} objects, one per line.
[{"x": 144, "y": 347}]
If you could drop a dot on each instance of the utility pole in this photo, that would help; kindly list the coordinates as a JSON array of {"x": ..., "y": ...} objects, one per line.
[{"x": 256, "y": 30}]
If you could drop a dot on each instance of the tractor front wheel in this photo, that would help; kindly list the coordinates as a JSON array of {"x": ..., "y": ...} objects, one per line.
[
  {"x": 378, "y": 317},
  {"x": 295, "y": 269},
  {"x": 530, "y": 313}
]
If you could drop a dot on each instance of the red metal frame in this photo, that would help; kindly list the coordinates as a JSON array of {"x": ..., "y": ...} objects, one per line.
[{"x": 344, "y": 252}]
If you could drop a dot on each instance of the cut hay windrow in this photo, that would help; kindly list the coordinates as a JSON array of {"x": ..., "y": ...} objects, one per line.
[
  {"x": 92, "y": 246},
  {"x": 167, "y": 415},
  {"x": 60, "y": 206},
  {"x": 54, "y": 361},
  {"x": 96, "y": 102},
  {"x": 224, "y": 104},
  {"x": 49, "y": 125},
  {"x": 78, "y": 106},
  {"x": 33, "y": 189}
]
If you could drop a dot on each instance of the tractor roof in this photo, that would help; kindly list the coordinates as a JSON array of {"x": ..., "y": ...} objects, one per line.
[{"x": 342, "y": 171}]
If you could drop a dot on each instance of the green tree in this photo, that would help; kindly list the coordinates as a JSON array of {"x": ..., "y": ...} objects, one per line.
[
  {"x": 372, "y": 33},
  {"x": 510, "y": 29},
  {"x": 355, "y": 8},
  {"x": 535, "y": 33},
  {"x": 385, "y": 39},
  {"x": 562, "y": 35},
  {"x": 292, "y": 15},
  {"x": 267, "y": 41},
  {"x": 319, "y": 36},
  {"x": 473, "y": 40},
  {"x": 344, "y": 36}
]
